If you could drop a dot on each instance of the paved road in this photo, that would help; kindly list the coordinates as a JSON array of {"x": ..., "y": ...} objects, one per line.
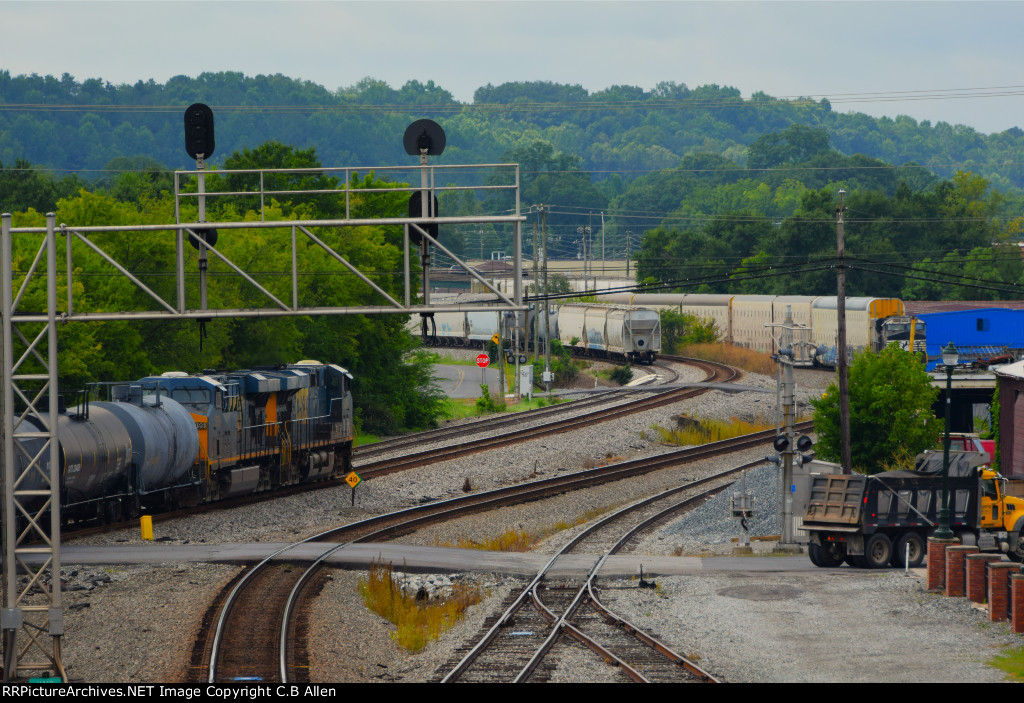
[
  {"x": 418, "y": 558},
  {"x": 458, "y": 381}
]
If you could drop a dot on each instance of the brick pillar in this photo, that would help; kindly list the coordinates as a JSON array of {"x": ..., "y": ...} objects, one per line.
[
  {"x": 1017, "y": 603},
  {"x": 999, "y": 589},
  {"x": 977, "y": 576},
  {"x": 937, "y": 562},
  {"x": 956, "y": 575}
]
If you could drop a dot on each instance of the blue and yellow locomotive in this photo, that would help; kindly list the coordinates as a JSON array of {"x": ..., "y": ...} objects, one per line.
[{"x": 179, "y": 440}]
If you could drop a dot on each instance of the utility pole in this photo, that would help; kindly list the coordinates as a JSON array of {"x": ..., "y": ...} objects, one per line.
[
  {"x": 536, "y": 291},
  {"x": 841, "y": 360},
  {"x": 788, "y": 414},
  {"x": 547, "y": 307},
  {"x": 628, "y": 242}
]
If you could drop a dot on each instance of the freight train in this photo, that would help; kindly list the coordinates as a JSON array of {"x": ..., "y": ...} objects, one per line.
[
  {"x": 618, "y": 332},
  {"x": 871, "y": 323},
  {"x": 179, "y": 440}
]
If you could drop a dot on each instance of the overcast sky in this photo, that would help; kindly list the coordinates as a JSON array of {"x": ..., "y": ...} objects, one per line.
[{"x": 830, "y": 49}]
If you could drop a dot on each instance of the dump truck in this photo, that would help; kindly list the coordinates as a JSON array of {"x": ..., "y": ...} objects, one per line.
[{"x": 874, "y": 521}]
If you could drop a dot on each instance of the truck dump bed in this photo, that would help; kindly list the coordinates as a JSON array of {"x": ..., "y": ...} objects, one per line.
[
  {"x": 904, "y": 499},
  {"x": 835, "y": 500}
]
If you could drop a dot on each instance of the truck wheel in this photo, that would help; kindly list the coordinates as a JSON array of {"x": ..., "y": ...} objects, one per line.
[
  {"x": 878, "y": 551},
  {"x": 828, "y": 555},
  {"x": 917, "y": 551},
  {"x": 1017, "y": 553}
]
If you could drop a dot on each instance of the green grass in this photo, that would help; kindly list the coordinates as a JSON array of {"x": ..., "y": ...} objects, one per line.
[
  {"x": 1012, "y": 662},
  {"x": 460, "y": 408},
  {"x": 362, "y": 439}
]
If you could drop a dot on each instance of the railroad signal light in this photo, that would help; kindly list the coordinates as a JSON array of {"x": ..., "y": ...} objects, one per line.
[
  {"x": 803, "y": 444},
  {"x": 416, "y": 210},
  {"x": 424, "y": 136},
  {"x": 199, "y": 131},
  {"x": 207, "y": 235}
]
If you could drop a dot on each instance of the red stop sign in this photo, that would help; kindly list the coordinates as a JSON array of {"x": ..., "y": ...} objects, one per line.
[{"x": 483, "y": 360}]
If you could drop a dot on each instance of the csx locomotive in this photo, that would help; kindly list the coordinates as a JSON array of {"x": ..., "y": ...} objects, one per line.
[{"x": 179, "y": 440}]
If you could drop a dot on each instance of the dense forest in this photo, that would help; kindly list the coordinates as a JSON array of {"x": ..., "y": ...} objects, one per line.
[
  {"x": 706, "y": 191},
  {"x": 670, "y": 156}
]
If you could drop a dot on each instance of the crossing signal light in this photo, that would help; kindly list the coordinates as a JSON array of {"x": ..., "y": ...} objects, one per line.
[
  {"x": 199, "y": 131},
  {"x": 803, "y": 445}
]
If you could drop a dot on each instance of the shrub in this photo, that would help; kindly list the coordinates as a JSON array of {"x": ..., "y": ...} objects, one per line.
[
  {"x": 487, "y": 403},
  {"x": 622, "y": 374}
]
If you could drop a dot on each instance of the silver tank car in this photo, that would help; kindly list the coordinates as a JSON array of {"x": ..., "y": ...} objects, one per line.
[
  {"x": 100, "y": 442},
  {"x": 164, "y": 440},
  {"x": 95, "y": 456}
]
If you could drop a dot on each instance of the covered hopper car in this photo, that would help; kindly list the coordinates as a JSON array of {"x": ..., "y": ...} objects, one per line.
[
  {"x": 617, "y": 332},
  {"x": 746, "y": 320}
]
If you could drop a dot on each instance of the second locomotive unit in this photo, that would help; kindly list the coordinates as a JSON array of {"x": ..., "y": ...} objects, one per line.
[{"x": 178, "y": 439}]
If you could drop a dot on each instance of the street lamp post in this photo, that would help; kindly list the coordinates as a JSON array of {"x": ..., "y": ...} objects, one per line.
[{"x": 949, "y": 360}]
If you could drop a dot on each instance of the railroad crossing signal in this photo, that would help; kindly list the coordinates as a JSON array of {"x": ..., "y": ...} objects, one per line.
[{"x": 353, "y": 479}]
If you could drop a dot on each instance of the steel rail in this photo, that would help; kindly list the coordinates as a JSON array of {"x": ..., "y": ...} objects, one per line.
[
  {"x": 473, "y": 653},
  {"x": 430, "y": 456},
  {"x": 587, "y": 587},
  {"x": 452, "y": 507},
  {"x": 492, "y": 422}
]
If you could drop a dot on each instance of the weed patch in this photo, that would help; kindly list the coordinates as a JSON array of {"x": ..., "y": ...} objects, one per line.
[
  {"x": 522, "y": 541},
  {"x": 1012, "y": 662},
  {"x": 416, "y": 622},
  {"x": 739, "y": 357},
  {"x": 703, "y": 431}
]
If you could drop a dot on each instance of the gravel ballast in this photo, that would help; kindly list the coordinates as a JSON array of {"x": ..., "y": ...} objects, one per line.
[{"x": 139, "y": 624}]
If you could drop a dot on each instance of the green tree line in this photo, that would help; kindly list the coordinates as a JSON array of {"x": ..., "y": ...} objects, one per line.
[{"x": 393, "y": 388}]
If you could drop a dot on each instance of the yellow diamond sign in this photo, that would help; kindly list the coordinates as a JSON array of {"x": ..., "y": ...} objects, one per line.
[{"x": 353, "y": 479}]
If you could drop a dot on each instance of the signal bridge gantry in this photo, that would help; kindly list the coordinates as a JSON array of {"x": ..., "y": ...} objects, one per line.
[{"x": 32, "y": 617}]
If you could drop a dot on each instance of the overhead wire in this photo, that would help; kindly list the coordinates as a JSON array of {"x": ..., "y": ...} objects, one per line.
[{"x": 687, "y": 101}]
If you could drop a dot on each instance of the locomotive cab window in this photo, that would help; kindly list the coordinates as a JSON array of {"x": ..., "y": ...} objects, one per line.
[{"x": 191, "y": 396}]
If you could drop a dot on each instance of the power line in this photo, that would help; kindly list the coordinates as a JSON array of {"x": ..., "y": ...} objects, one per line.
[{"x": 652, "y": 103}]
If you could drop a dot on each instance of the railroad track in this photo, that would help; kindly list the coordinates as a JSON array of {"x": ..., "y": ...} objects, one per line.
[
  {"x": 491, "y": 425},
  {"x": 518, "y": 645},
  {"x": 234, "y": 648},
  {"x": 716, "y": 373},
  {"x": 497, "y": 422}
]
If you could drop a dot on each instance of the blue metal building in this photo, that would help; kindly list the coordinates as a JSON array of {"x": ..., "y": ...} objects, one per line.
[{"x": 977, "y": 334}]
